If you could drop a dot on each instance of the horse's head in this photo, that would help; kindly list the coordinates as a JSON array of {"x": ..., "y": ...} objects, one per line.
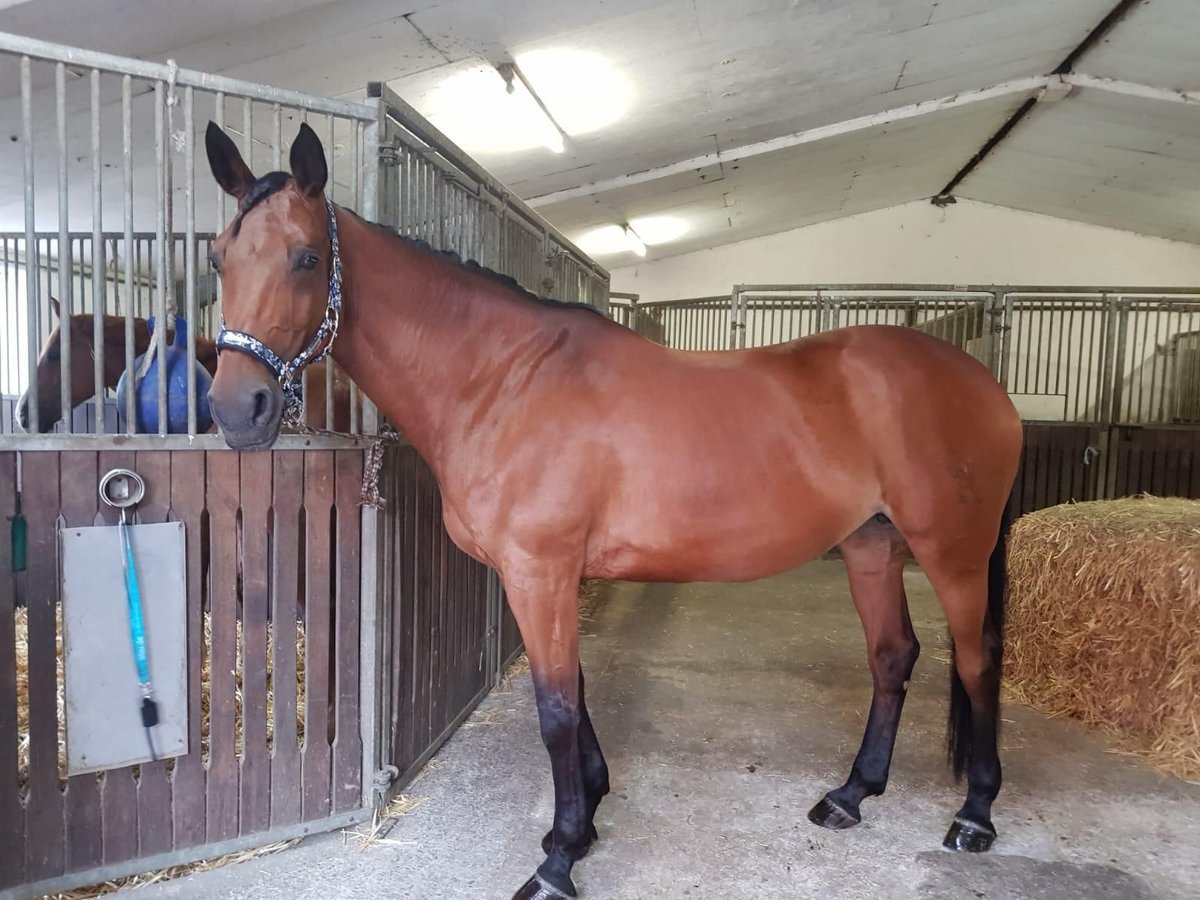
[
  {"x": 273, "y": 260},
  {"x": 49, "y": 374}
]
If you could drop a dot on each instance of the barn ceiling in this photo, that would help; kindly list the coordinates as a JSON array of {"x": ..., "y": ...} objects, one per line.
[{"x": 702, "y": 79}]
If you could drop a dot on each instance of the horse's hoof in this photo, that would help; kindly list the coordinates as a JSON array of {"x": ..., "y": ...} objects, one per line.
[
  {"x": 969, "y": 837},
  {"x": 828, "y": 814},
  {"x": 548, "y": 842},
  {"x": 537, "y": 889}
]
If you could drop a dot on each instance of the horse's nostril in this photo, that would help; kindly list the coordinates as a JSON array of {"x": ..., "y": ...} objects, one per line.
[{"x": 262, "y": 406}]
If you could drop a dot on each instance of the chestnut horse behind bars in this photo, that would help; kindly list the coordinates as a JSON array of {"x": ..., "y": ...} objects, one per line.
[
  {"x": 567, "y": 446},
  {"x": 81, "y": 386}
]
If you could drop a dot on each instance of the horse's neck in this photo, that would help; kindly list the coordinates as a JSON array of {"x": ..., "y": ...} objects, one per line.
[
  {"x": 422, "y": 337},
  {"x": 206, "y": 354}
]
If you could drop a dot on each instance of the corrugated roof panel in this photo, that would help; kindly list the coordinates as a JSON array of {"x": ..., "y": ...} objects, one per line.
[
  {"x": 805, "y": 184},
  {"x": 1156, "y": 43},
  {"x": 1103, "y": 158}
]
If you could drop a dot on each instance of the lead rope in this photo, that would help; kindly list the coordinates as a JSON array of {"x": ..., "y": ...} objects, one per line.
[{"x": 369, "y": 495}]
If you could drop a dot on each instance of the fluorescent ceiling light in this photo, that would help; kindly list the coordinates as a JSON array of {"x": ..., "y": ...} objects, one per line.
[
  {"x": 515, "y": 84},
  {"x": 554, "y": 92},
  {"x": 660, "y": 229},
  {"x": 635, "y": 243},
  {"x": 634, "y": 236}
]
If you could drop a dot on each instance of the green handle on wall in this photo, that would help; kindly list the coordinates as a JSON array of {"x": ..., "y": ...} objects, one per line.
[{"x": 18, "y": 537}]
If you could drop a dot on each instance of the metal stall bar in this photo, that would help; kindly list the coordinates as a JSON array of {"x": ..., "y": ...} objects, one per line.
[
  {"x": 127, "y": 144},
  {"x": 191, "y": 312},
  {"x": 31, "y": 258},
  {"x": 161, "y": 160},
  {"x": 99, "y": 283}
]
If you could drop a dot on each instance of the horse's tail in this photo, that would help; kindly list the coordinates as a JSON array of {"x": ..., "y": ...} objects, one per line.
[{"x": 959, "y": 731}]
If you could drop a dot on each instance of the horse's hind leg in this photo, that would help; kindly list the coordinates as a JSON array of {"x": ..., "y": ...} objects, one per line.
[
  {"x": 975, "y": 702},
  {"x": 875, "y": 556},
  {"x": 972, "y": 599}
]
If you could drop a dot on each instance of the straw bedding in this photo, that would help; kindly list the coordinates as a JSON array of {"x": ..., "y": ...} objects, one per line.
[
  {"x": 22, "y": 648},
  {"x": 1104, "y": 622}
]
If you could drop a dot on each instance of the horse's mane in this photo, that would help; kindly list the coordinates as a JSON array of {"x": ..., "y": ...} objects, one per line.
[
  {"x": 470, "y": 265},
  {"x": 273, "y": 182}
]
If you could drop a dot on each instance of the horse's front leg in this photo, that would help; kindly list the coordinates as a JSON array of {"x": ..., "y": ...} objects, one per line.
[{"x": 545, "y": 607}]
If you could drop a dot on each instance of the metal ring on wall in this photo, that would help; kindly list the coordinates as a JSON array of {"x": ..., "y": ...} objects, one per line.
[{"x": 122, "y": 488}]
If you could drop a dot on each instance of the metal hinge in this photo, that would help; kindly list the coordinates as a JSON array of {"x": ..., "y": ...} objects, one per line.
[
  {"x": 389, "y": 153},
  {"x": 384, "y": 778}
]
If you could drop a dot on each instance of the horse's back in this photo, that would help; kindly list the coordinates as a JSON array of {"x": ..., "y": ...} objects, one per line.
[{"x": 734, "y": 465}]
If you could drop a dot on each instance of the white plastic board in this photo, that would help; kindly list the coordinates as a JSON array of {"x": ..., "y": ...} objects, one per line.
[{"x": 103, "y": 697}]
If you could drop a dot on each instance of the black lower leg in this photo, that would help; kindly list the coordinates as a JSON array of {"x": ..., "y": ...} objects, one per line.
[
  {"x": 869, "y": 774},
  {"x": 593, "y": 768},
  {"x": 559, "y": 717},
  {"x": 972, "y": 828}
]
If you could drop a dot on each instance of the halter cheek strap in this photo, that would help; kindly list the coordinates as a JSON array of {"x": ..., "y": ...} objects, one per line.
[{"x": 289, "y": 374}]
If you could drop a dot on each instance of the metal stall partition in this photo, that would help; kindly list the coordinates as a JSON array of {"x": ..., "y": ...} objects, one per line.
[
  {"x": 968, "y": 317},
  {"x": 116, "y": 224},
  {"x": 279, "y": 591},
  {"x": 273, "y": 649}
]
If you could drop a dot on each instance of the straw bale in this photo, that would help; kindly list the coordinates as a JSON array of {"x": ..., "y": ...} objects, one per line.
[{"x": 1103, "y": 619}]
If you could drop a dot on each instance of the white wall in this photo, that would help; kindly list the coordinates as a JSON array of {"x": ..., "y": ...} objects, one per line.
[{"x": 968, "y": 242}]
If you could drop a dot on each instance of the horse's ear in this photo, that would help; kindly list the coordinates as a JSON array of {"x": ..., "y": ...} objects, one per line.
[
  {"x": 228, "y": 167},
  {"x": 54, "y": 306},
  {"x": 308, "y": 162}
]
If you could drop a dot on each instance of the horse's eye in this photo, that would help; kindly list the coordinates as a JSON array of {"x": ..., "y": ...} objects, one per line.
[{"x": 309, "y": 261}]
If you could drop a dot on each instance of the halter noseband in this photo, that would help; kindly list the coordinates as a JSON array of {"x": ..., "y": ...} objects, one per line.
[{"x": 289, "y": 374}]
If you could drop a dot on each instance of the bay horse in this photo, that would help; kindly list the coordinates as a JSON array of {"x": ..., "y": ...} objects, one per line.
[
  {"x": 81, "y": 386},
  {"x": 567, "y": 446}
]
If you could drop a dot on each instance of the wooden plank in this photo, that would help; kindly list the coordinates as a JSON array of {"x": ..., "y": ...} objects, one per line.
[
  {"x": 12, "y": 816},
  {"x": 1175, "y": 476},
  {"x": 316, "y": 756},
  {"x": 400, "y": 507},
  {"x": 1014, "y": 508},
  {"x": 407, "y": 573},
  {"x": 84, "y": 839},
  {"x": 223, "y": 486},
  {"x": 1191, "y": 487},
  {"x": 1083, "y": 474},
  {"x": 286, "y": 550},
  {"x": 119, "y": 789},
  {"x": 347, "y": 745},
  {"x": 1040, "y": 488},
  {"x": 439, "y": 672},
  {"x": 255, "y": 781},
  {"x": 43, "y": 807},
  {"x": 1033, "y": 436},
  {"x": 1123, "y": 444},
  {"x": 422, "y": 564},
  {"x": 153, "y": 784},
  {"x": 189, "y": 779},
  {"x": 1056, "y": 491}
]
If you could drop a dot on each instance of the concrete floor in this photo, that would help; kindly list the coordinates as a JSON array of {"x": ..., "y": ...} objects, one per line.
[{"x": 725, "y": 712}]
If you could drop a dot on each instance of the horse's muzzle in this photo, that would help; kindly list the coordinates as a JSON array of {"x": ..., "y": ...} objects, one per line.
[
  {"x": 43, "y": 419},
  {"x": 249, "y": 418}
]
